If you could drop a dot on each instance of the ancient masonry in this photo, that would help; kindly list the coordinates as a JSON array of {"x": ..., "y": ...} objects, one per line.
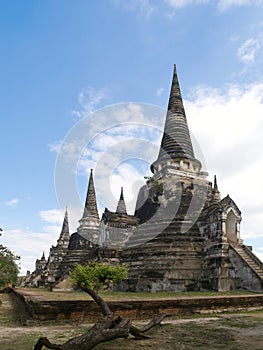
[{"x": 182, "y": 236}]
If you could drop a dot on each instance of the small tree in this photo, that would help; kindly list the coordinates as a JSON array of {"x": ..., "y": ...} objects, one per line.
[
  {"x": 90, "y": 278},
  {"x": 8, "y": 266},
  {"x": 93, "y": 276}
]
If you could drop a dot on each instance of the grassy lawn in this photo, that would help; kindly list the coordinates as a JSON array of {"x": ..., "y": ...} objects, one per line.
[
  {"x": 229, "y": 333},
  {"x": 225, "y": 331},
  {"x": 79, "y": 295}
]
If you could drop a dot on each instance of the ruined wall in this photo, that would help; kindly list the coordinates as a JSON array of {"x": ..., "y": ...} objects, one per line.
[{"x": 37, "y": 311}]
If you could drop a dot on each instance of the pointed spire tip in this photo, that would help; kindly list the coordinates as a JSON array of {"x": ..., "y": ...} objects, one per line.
[
  {"x": 176, "y": 142},
  {"x": 90, "y": 208},
  {"x": 215, "y": 183},
  {"x": 121, "y": 207}
]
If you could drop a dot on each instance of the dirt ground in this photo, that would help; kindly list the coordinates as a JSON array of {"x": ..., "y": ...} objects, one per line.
[{"x": 211, "y": 332}]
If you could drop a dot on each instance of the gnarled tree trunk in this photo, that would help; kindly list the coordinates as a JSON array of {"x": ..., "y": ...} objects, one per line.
[
  {"x": 104, "y": 330},
  {"x": 107, "y": 328}
]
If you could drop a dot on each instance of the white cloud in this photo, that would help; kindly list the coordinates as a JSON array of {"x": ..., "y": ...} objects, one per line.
[
  {"x": 127, "y": 176},
  {"x": 182, "y": 3},
  {"x": 258, "y": 254},
  {"x": 71, "y": 150},
  {"x": 53, "y": 216},
  {"x": 112, "y": 161},
  {"x": 102, "y": 141},
  {"x": 228, "y": 126},
  {"x": 53, "y": 219},
  {"x": 160, "y": 91},
  {"x": 143, "y": 7},
  {"x": 12, "y": 203},
  {"x": 55, "y": 146},
  {"x": 89, "y": 99},
  {"x": 247, "y": 51},
  {"x": 29, "y": 245},
  {"x": 146, "y": 9},
  {"x": 224, "y": 5},
  {"x": 98, "y": 126},
  {"x": 234, "y": 38}
]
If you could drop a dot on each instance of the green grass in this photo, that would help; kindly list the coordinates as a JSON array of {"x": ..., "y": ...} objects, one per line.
[
  {"x": 8, "y": 315},
  {"x": 25, "y": 341},
  {"x": 165, "y": 295},
  {"x": 223, "y": 332},
  {"x": 231, "y": 332},
  {"x": 108, "y": 295},
  {"x": 28, "y": 340}
]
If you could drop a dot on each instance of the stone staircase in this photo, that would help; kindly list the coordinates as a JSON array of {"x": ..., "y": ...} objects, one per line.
[{"x": 250, "y": 259}]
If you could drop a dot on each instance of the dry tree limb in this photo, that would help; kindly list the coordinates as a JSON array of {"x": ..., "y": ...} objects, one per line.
[
  {"x": 104, "y": 330},
  {"x": 45, "y": 342},
  {"x": 156, "y": 320}
]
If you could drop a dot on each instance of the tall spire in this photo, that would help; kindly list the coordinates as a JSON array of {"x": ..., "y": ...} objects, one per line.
[
  {"x": 64, "y": 235},
  {"x": 65, "y": 225},
  {"x": 216, "y": 194},
  {"x": 91, "y": 209},
  {"x": 176, "y": 142},
  {"x": 90, "y": 221},
  {"x": 215, "y": 183},
  {"x": 121, "y": 207}
]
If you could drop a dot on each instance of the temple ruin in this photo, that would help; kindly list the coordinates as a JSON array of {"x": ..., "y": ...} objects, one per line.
[{"x": 182, "y": 237}]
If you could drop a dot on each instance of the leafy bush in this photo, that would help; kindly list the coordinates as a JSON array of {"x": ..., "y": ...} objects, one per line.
[
  {"x": 95, "y": 276},
  {"x": 8, "y": 267}
]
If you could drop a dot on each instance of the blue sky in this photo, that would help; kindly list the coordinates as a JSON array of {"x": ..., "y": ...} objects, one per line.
[{"x": 61, "y": 60}]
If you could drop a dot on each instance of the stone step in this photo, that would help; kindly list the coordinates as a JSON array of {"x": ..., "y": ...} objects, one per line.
[{"x": 253, "y": 264}]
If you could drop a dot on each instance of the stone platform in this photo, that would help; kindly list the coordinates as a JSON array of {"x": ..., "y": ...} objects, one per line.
[{"x": 35, "y": 309}]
